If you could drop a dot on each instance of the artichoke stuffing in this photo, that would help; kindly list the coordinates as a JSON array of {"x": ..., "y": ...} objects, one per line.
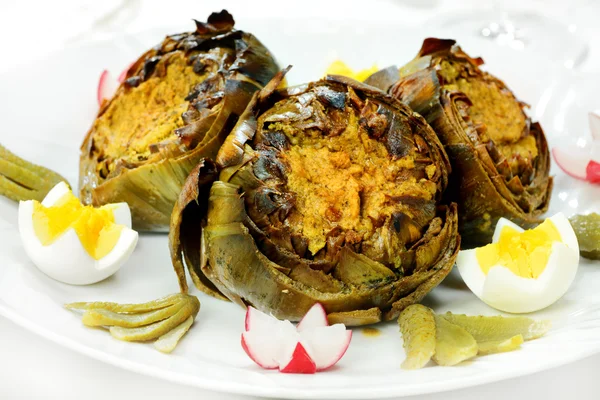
[
  {"x": 176, "y": 105},
  {"x": 328, "y": 192},
  {"x": 165, "y": 320},
  {"x": 500, "y": 159}
]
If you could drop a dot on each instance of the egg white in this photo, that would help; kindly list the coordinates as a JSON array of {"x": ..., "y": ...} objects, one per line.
[
  {"x": 505, "y": 291},
  {"x": 66, "y": 259}
]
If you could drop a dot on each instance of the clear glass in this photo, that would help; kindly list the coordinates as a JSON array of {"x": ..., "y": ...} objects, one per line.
[{"x": 525, "y": 26}]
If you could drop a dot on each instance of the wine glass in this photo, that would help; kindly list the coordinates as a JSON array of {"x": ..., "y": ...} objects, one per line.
[{"x": 527, "y": 26}]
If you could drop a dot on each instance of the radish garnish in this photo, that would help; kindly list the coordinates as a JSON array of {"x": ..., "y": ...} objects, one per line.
[
  {"x": 123, "y": 74},
  {"x": 594, "y": 118},
  {"x": 582, "y": 161},
  {"x": 314, "y": 318},
  {"x": 593, "y": 172},
  {"x": 108, "y": 85},
  {"x": 309, "y": 347},
  {"x": 300, "y": 362}
]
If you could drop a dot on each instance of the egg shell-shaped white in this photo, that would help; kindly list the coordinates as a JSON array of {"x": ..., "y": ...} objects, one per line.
[
  {"x": 502, "y": 222},
  {"x": 567, "y": 234},
  {"x": 470, "y": 271},
  {"x": 65, "y": 259},
  {"x": 508, "y": 292},
  {"x": 55, "y": 194}
]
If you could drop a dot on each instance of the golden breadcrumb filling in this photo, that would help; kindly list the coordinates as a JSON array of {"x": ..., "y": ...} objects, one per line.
[
  {"x": 146, "y": 114},
  {"x": 346, "y": 181},
  {"x": 501, "y": 113}
]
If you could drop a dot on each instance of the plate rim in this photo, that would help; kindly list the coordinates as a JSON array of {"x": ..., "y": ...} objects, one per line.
[
  {"x": 278, "y": 391},
  {"x": 221, "y": 386}
]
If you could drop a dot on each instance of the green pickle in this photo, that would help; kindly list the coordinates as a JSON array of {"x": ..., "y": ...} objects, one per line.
[
  {"x": 22, "y": 180},
  {"x": 500, "y": 346},
  {"x": 449, "y": 339},
  {"x": 498, "y": 328},
  {"x": 453, "y": 344},
  {"x": 165, "y": 320},
  {"x": 587, "y": 230},
  {"x": 417, "y": 325}
]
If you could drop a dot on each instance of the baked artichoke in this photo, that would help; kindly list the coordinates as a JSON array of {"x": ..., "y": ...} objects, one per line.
[
  {"x": 500, "y": 159},
  {"x": 177, "y": 104},
  {"x": 328, "y": 192}
]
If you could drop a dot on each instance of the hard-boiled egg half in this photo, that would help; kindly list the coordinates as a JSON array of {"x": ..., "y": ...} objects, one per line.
[
  {"x": 523, "y": 270},
  {"x": 73, "y": 243}
]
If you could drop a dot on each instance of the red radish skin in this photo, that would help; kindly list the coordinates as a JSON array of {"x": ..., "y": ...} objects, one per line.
[
  {"x": 309, "y": 347},
  {"x": 593, "y": 172},
  {"x": 123, "y": 74},
  {"x": 314, "y": 318},
  {"x": 107, "y": 86},
  {"x": 301, "y": 363}
]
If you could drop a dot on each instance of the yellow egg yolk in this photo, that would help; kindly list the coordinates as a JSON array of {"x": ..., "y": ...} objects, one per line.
[
  {"x": 340, "y": 68},
  {"x": 95, "y": 227},
  {"x": 524, "y": 253}
]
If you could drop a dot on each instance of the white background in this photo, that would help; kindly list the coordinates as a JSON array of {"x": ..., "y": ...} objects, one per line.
[{"x": 32, "y": 367}]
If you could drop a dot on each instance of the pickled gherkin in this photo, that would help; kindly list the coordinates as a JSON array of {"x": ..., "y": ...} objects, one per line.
[
  {"x": 500, "y": 346},
  {"x": 587, "y": 229},
  {"x": 166, "y": 319},
  {"x": 449, "y": 339},
  {"x": 453, "y": 344},
  {"x": 21, "y": 180},
  {"x": 417, "y": 325},
  {"x": 486, "y": 329}
]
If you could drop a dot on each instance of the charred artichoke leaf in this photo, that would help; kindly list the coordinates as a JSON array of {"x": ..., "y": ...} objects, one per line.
[
  {"x": 193, "y": 88},
  {"x": 21, "y": 180},
  {"x": 254, "y": 247},
  {"x": 166, "y": 319},
  {"x": 500, "y": 159}
]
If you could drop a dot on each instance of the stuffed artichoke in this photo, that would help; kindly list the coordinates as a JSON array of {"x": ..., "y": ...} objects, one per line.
[
  {"x": 177, "y": 104},
  {"x": 499, "y": 158},
  {"x": 328, "y": 192}
]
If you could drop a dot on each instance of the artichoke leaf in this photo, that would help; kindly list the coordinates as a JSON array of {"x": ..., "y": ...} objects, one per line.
[
  {"x": 194, "y": 87},
  {"x": 248, "y": 248},
  {"x": 494, "y": 174}
]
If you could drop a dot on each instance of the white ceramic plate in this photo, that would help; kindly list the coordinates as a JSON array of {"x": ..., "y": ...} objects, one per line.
[{"x": 47, "y": 108}]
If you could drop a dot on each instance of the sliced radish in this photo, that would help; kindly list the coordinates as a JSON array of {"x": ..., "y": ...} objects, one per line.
[
  {"x": 593, "y": 172},
  {"x": 572, "y": 163},
  {"x": 123, "y": 74},
  {"x": 314, "y": 318},
  {"x": 260, "y": 349},
  {"x": 579, "y": 162},
  {"x": 594, "y": 118},
  {"x": 326, "y": 345},
  {"x": 107, "y": 86},
  {"x": 310, "y": 346},
  {"x": 300, "y": 362},
  {"x": 259, "y": 320}
]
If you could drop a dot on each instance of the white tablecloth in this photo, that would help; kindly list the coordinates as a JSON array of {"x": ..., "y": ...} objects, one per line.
[{"x": 32, "y": 367}]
